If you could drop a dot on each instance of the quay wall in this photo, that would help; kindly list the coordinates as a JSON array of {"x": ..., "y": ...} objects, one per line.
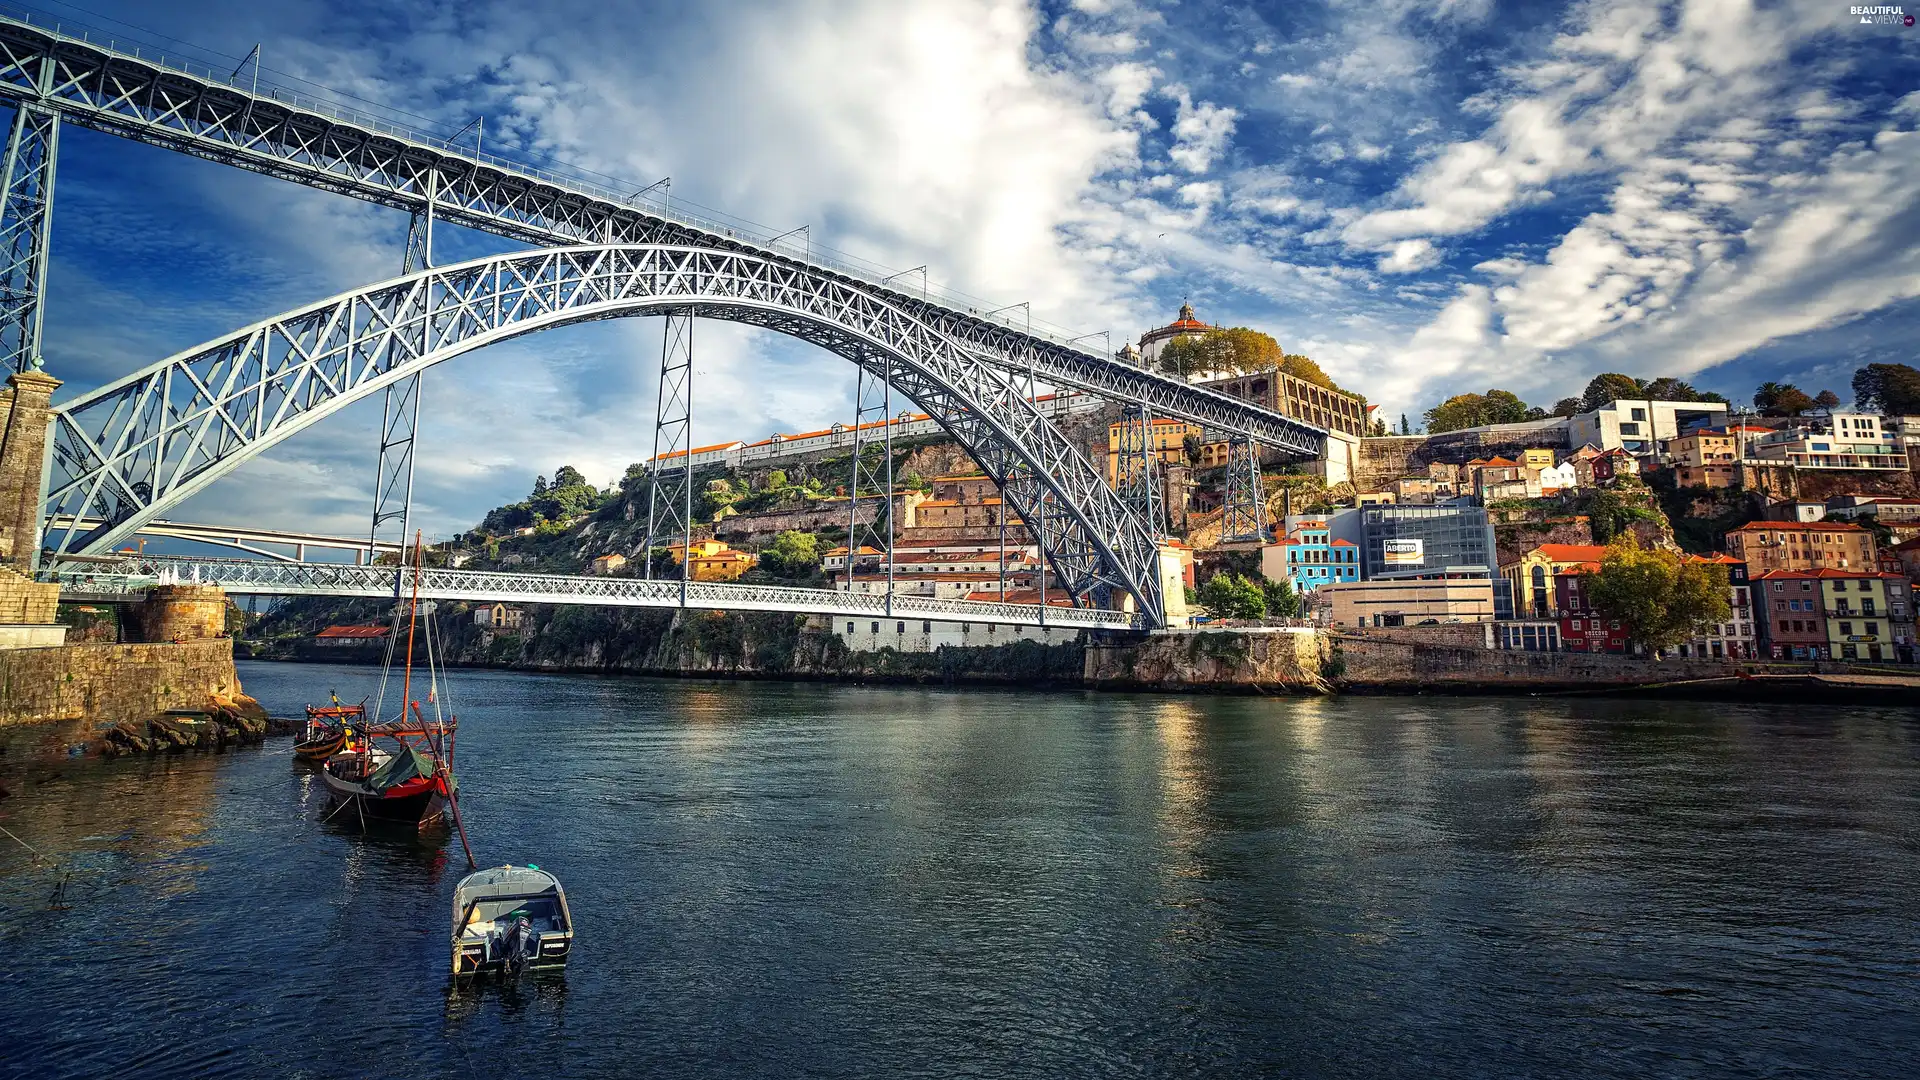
[
  {"x": 1272, "y": 662},
  {"x": 107, "y": 684}
]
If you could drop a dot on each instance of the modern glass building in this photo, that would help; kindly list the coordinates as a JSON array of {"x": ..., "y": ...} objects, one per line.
[{"x": 1417, "y": 541}]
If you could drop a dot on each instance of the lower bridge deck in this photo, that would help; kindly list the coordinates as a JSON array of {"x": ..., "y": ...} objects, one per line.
[{"x": 122, "y": 580}]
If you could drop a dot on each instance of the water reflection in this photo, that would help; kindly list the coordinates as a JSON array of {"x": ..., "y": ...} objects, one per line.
[{"x": 804, "y": 879}]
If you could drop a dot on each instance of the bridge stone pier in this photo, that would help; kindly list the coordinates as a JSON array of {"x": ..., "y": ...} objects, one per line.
[{"x": 25, "y": 405}]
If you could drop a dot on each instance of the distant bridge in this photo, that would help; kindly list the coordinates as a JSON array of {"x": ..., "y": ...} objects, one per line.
[{"x": 119, "y": 580}]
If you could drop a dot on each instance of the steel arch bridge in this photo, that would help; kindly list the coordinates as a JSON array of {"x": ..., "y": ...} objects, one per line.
[{"x": 126, "y": 452}]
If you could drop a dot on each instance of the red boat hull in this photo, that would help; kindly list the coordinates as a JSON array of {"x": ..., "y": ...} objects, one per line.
[{"x": 417, "y": 802}]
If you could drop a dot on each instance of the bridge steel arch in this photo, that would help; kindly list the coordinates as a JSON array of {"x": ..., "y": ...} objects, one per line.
[
  {"x": 271, "y": 131},
  {"x": 126, "y": 452}
]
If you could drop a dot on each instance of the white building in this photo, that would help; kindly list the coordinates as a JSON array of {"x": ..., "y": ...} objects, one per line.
[
  {"x": 1561, "y": 477},
  {"x": 1639, "y": 426}
]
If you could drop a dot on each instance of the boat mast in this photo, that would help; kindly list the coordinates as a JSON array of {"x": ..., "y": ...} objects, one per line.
[{"x": 413, "y": 616}]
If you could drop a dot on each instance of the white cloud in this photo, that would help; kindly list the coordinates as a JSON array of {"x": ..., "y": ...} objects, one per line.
[
  {"x": 1201, "y": 131},
  {"x": 1409, "y": 256}
]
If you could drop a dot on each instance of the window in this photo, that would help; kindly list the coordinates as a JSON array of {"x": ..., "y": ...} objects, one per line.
[
  {"x": 1840, "y": 586},
  {"x": 1849, "y": 652},
  {"x": 1576, "y": 624},
  {"x": 1786, "y": 627},
  {"x": 1779, "y": 586},
  {"x": 876, "y": 627},
  {"x": 849, "y": 628},
  {"x": 926, "y": 627},
  {"x": 1846, "y": 628}
]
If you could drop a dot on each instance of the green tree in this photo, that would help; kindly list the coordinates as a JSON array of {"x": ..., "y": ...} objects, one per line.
[
  {"x": 1608, "y": 388},
  {"x": 1282, "y": 601},
  {"x": 1781, "y": 399},
  {"x": 1227, "y": 595},
  {"x": 635, "y": 479},
  {"x": 568, "y": 476},
  {"x": 777, "y": 480},
  {"x": 1790, "y": 402},
  {"x": 1567, "y": 406},
  {"x": 1379, "y": 428},
  {"x": 1826, "y": 399},
  {"x": 1892, "y": 389},
  {"x": 1476, "y": 410},
  {"x": 792, "y": 554},
  {"x": 1405, "y": 428},
  {"x": 1660, "y": 597}
]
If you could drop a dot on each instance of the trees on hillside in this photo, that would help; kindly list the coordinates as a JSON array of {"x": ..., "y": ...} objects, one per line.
[
  {"x": 1475, "y": 410},
  {"x": 1661, "y": 597},
  {"x": 1238, "y": 351},
  {"x": 1608, "y": 388},
  {"x": 1893, "y": 389},
  {"x": 1222, "y": 352},
  {"x": 1781, "y": 399},
  {"x": 793, "y": 555},
  {"x": 1229, "y": 596}
]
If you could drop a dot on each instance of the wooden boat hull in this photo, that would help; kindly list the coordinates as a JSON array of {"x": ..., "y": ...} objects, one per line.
[
  {"x": 414, "y": 803},
  {"x": 319, "y": 750}
]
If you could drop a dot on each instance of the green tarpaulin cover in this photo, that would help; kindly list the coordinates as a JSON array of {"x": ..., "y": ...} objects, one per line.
[{"x": 400, "y": 768}]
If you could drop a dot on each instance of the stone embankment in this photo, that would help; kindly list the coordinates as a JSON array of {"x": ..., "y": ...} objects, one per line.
[{"x": 1275, "y": 661}]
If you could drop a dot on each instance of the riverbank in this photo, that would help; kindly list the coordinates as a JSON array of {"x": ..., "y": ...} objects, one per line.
[{"x": 1265, "y": 661}]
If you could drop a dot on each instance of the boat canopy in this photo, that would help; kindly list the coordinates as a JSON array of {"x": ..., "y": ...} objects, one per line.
[
  {"x": 503, "y": 887},
  {"x": 406, "y": 764}
]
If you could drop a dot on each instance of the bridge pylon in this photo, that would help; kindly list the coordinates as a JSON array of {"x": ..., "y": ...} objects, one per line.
[{"x": 26, "y": 220}]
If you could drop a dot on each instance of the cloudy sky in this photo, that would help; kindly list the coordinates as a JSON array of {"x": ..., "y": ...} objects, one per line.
[{"x": 1426, "y": 198}]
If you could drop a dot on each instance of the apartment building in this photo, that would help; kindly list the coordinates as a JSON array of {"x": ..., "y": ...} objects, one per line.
[{"x": 1801, "y": 545}]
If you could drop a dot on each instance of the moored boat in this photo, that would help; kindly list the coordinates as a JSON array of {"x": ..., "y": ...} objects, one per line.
[
  {"x": 510, "y": 918},
  {"x": 327, "y": 730},
  {"x": 400, "y": 768}
]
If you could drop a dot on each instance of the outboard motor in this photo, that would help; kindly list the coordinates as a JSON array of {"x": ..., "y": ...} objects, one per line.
[{"x": 522, "y": 945}]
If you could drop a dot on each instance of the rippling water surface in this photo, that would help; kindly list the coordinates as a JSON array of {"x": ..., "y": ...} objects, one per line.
[{"x": 814, "y": 880}]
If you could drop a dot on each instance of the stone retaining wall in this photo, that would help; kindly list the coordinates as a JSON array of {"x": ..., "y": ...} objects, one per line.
[
  {"x": 106, "y": 684},
  {"x": 1379, "y": 665},
  {"x": 1281, "y": 661}
]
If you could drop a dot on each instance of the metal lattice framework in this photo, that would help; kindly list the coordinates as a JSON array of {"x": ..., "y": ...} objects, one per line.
[
  {"x": 128, "y": 578},
  {"x": 325, "y": 146},
  {"x": 670, "y": 490},
  {"x": 1135, "y": 464},
  {"x": 127, "y": 451},
  {"x": 1243, "y": 517},
  {"x": 26, "y": 217}
]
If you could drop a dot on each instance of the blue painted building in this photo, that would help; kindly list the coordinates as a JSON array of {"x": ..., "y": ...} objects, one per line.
[{"x": 1310, "y": 557}]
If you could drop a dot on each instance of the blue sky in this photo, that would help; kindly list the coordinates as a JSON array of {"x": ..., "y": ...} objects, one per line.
[{"x": 1426, "y": 198}]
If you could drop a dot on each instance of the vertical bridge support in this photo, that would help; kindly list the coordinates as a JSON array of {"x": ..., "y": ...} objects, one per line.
[
  {"x": 26, "y": 219},
  {"x": 400, "y": 419},
  {"x": 1243, "y": 517},
  {"x": 670, "y": 486},
  {"x": 872, "y": 403}
]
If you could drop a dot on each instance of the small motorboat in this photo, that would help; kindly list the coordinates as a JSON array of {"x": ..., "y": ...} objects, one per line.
[{"x": 510, "y": 918}]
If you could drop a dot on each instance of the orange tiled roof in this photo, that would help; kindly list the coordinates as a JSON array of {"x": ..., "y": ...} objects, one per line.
[
  {"x": 353, "y": 632},
  {"x": 1572, "y": 553}
]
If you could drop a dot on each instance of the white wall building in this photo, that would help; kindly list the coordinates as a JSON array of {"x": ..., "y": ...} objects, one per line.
[{"x": 1638, "y": 425}]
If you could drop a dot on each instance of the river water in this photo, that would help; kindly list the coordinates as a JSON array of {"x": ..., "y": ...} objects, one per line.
[{"x": 781, "y": 880}]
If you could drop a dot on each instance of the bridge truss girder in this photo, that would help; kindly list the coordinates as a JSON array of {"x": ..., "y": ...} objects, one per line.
[
  {"x": 129, "y": 450},
  {"x": 316, "y": 145}
]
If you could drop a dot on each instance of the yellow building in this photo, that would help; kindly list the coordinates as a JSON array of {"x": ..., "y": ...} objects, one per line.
[
  {"x": 1858, "y": 608},
  {"x": 724, "y": 565},
  {"x": 1704, "y": 458},
  {"x": 607, "y": 564},
  {"x": 701, "y": 549},
  {"x": 1168, "y": 439},
  {"x": 1536, "y": 458},
  {"x": 1532, "y": 574}
]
